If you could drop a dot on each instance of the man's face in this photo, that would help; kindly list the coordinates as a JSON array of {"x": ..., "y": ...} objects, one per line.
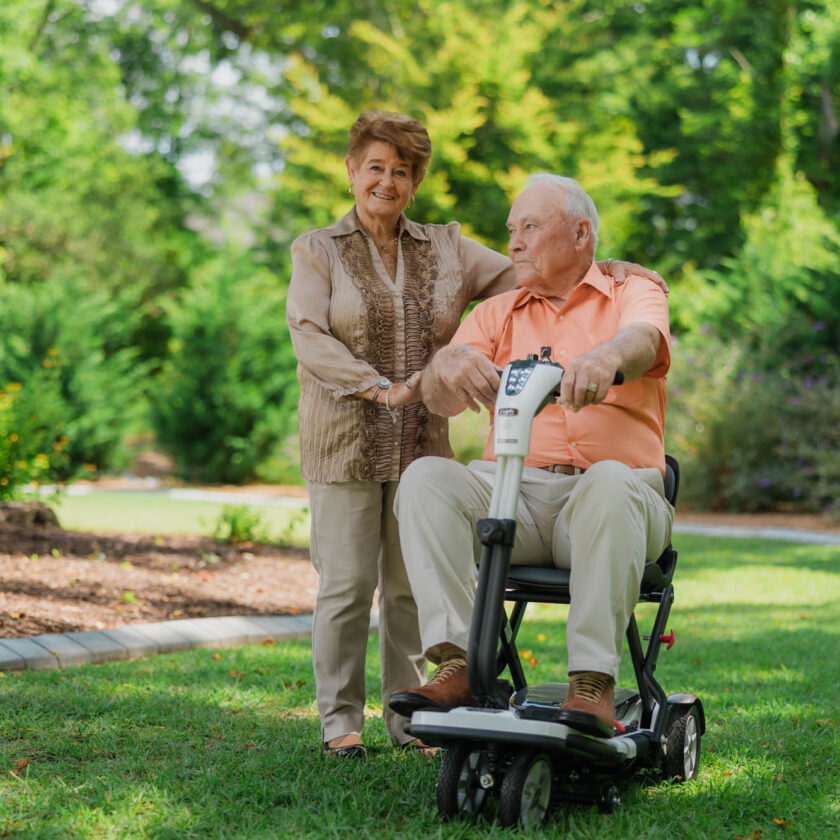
[{"x": 548, "y": 247}]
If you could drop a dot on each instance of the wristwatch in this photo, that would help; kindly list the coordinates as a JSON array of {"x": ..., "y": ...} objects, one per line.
[{"x": 382, "y": 385}]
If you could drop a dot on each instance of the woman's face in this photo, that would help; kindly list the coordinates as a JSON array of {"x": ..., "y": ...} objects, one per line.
[{"x": 382, "y": 181}]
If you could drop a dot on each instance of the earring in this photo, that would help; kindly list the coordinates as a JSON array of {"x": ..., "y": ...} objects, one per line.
[
  {"x": 411, "y": 206},
  {"x": 350, "y": 189}
]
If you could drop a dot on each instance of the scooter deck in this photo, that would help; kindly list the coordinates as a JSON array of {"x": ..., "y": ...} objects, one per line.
[{"x": 506, "y": 728}]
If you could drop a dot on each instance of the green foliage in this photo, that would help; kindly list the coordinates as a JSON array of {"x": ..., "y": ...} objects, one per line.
[
  {"x": 750, "y": 438},
  {"x": 469, "y": 72},
  {"x": 68, "y": 348},
  {"x": 707, "y": 132},
  {"x": 31, "y": 451},
  {"x": 468, "y": 435},
  {"x": 239, "y": 524},
  {"x": 780, "y": 293},
  {"x": 73, "y": 201},
  {"x": 223, "y": 399}
]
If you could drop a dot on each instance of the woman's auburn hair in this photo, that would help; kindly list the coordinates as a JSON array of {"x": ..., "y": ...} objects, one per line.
[{"x": 408, "y": 136}]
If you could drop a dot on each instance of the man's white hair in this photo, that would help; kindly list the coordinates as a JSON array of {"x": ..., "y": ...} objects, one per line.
[{"x": 578, "y": 201}]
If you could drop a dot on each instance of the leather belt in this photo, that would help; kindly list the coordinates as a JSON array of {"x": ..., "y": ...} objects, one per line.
[{"x": 564, "y": 469}]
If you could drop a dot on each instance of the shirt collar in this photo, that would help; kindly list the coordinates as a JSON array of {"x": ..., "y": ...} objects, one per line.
[
  {"x": 593, "y": 277},
  {"x": 350, "y": 223}
]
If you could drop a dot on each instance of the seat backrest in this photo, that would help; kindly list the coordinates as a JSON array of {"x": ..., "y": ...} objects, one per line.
[{"x": 672, "y": 479}]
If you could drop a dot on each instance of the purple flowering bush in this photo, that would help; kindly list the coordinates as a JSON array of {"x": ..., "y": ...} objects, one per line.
[{"x": 752, "y": 439}]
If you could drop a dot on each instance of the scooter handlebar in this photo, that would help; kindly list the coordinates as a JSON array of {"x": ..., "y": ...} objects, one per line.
[{"x": 617, "y": 380}]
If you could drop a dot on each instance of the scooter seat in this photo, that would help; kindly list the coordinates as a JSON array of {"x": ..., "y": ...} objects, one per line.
[{"x": 548, "y": 580}]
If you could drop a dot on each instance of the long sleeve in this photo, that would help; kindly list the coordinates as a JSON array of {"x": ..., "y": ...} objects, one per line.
[{"x": 323, "y": 355}]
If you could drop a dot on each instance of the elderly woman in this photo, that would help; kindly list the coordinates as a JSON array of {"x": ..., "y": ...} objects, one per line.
[{"x": 370, "y": 300}]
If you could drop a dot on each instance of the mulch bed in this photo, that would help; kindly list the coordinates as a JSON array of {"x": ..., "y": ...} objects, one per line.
[{"x": 56, "y": 581}]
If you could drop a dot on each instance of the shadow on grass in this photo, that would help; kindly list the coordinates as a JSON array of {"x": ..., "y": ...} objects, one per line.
[
  {"x": 188, "y": 746},
  {"x": 194, "y": 746}
]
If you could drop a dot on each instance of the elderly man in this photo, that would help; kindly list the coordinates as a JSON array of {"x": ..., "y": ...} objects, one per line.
[{"x": 592, "y": 487}]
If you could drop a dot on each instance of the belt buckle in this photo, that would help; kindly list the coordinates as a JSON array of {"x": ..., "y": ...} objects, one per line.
[{"x": 564, "y": 469}]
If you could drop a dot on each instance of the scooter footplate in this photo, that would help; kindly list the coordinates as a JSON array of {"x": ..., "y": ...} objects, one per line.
[{"x": 503, "y": 727}]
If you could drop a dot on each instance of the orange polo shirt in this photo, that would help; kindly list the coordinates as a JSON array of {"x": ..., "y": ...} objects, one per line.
[{"x": 629, "y": 426}]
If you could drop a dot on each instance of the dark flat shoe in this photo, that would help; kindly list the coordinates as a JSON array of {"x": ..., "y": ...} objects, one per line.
[
  {"x": 584, "y": 722},
  {"x": 347, "y": 751}
]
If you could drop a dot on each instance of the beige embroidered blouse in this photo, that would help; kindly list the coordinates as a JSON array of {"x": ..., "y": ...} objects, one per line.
[{"x": 351, "y": 325}]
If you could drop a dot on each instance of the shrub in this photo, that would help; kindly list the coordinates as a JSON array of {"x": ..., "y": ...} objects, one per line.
[
  {"x": 780, "y": 294},
  {"x": 239, "y": 524},
  {"x": 69, "y": 350},
  {"x": 31, "y": 451},
  {"x": 749, "y": 439},
  {"x": 226, "y": 395}
]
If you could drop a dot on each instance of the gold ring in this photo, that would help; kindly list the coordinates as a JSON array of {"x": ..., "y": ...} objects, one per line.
[{"x": 592, "y": 388}]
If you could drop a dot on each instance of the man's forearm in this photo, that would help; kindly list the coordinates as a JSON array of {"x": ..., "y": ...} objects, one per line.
[
  {"x": 589, "y": 377},
  {"x": 636, "y": 347}
]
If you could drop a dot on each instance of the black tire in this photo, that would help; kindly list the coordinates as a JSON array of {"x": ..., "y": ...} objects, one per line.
[
  {"x": 609, "y": 800},
  {"x": 459, "y": 790},
  {"x": 526, "y": 791},
  {"x": 682, "y": 747}
]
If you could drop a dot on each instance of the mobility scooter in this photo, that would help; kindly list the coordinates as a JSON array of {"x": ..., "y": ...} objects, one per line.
[{"x": 510, "y": 745}]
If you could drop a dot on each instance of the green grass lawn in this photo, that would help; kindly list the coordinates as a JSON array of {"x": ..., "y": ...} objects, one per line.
[
  {"x": 224, "y": 745},
  {"x": 116, "y": 511}
]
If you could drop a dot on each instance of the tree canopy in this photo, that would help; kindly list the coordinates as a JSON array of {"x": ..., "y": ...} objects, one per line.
[{"x": 146, "y": 145}]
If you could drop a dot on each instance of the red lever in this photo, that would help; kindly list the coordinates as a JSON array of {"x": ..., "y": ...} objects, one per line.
[{"x": 669, "y": 640}]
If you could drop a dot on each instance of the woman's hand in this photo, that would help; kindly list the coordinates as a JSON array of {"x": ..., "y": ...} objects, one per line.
[
  {"x": 399, "y": 394},
  {"x": 620, "y": 270}
]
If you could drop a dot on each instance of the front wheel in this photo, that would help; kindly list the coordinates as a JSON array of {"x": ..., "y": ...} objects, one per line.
[
  {"x": 526, "y": 790},
  {"x": 682, "y": 747},
  {"x": 460, "y": 791}
]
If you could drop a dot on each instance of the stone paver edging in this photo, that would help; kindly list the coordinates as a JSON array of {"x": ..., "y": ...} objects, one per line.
[{"x": 64, "y": 650}]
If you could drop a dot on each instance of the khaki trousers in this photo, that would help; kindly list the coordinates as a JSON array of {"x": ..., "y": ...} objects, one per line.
[
  {"x": 355, "y": 548},
  {"x": 602, "y": 525}
]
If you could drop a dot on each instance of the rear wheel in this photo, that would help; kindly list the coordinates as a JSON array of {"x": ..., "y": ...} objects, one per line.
[
  {"x": 682, "y": 748},
  {"x": 526, "y": 791},
  {"x": 459, "y": 784},
  {"x": 609, "y": 800}
]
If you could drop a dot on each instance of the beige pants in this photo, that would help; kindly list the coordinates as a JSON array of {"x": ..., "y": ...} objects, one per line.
[
  {"x": 355, "y": 548},
  {"x": 602, "y": 525}
]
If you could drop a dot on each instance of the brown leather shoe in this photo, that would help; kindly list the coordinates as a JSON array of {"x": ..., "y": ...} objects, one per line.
[
  {"x": 447, "y": 689},
  {"x": 589, "y": 706}
]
